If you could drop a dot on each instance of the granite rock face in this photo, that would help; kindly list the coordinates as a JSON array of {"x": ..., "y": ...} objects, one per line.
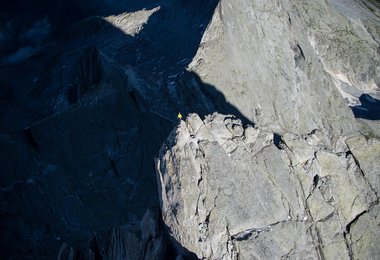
[
  {"x": 280, "y": 62},
  {"x": 303, "y": 181},
  {"x": 230, "y": 191},
  {"x": 100, "y": 93},
  {"x": 345, "y": 35},
  {"x": 257, "y": 52}
]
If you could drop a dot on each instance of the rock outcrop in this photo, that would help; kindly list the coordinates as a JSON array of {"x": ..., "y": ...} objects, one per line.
[
  {"x": 302, "y": 182},
  {"x": 230, "y": 191},
  {"x": 100, "y": 93}
]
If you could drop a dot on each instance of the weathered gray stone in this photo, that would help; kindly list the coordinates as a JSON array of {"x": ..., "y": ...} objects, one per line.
[
  {"x": 367, "y": 153},
  {"x": 364, "y": 238},
  {"x": 295, "y": 200},
  {"x": 345, "y": 35},
  {"x": 346, "y": 189},
  {"x": 277, "y": 242},
  {"x": 257, "y": 53}
]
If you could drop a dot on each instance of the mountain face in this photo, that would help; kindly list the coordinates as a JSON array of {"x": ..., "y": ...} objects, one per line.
[
  {"x": 295, "y": 45},
  {"x": 228, "y": 191},
  {"x": 277, "y": 154}
]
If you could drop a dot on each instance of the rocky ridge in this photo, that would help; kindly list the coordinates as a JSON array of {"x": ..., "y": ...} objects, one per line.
[
  {"x": 230, "y": 191},
  {"x": 94, "y": 106}
]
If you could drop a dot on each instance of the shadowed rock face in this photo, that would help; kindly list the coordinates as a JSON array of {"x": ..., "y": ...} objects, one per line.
[
  {"x": 80, "y": 129},
  {"x": 90, "y": 91},
  {"x": 228, "y": 192}
]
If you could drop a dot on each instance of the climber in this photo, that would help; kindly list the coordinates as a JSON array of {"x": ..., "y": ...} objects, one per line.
[{"x": 179, "y": 116}]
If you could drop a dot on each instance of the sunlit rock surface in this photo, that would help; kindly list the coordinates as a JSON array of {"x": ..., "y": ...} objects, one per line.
[
  {"x": 90, "y": 90},
  {"x": 229, "y": 191},
  {"x": 278, "y": 79}
]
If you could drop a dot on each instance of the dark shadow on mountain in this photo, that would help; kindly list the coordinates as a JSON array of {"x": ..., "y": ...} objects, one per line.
[
  {"x": 175, "y": 249},
  {"x": 79, "y": 146},
  {"x": 195, "y": 96},
  {"x": 30, "y": 23},
  {"x": 163, "y": 49},
  {"x": 369, "y": 108}
]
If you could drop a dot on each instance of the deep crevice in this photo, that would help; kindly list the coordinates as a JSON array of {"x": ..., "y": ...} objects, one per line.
[
  {"x": 348, "y": 226},
  {"x": 277, "y": 140},
  {"x": 349, "y": 153}
]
